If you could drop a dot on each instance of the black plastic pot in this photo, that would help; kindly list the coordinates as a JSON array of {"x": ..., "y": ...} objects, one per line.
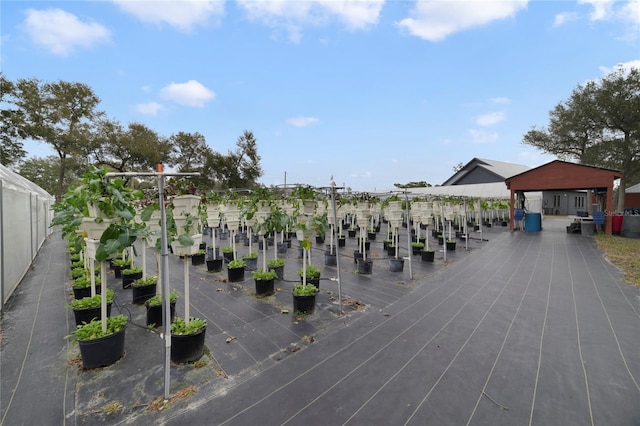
[
  {"x": 427, "y": 256},
  {"x": 330, "y": 259},
  {"x": 188, "y": 347},
  {"x": 227, "y": 255},
  {"x": 371, "y": 235},
  {"x": 304, "y": 304},
  {"x": 396, "y": 265},
  {"x": 357, "y": 255},
  {"x": 197, "y": 259},
  {"x": 86, "y": 315},
  {"x": 351, "y": 233},
  {"x": 235, "y": 274},
  {"x": 451, "y": 245},
  {"x": 141, "y": 294},
  {"x": 79, "y": 293},
  {"x": 214, "y": 265},
  {"x": 251, "y": 264},
  {"x": 103, "y": 351},
  {"x": 365, "y": 266},
  {"x": 265, "y": 287},
  {"x": 128, "y": 279},
  {"x": 117, "y": 271},
  {"x": 342, "y": 242},
  {"x": 279, "y": 270},
  {"x": 313, "y": 281},
  {"x": 155, "y": 314}
]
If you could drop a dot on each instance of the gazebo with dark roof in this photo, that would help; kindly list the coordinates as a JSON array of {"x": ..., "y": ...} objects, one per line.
[{"x": 562, "y": 175}]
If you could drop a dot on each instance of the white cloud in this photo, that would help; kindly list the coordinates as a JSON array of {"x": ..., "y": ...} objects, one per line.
[
  {"x": 500, "y": 100},
  {"x": 192, "y": 93},
  {"x": 434, "y": 20},
  {"x": 292, "y": 16},
  {"x": 302, "y": 121},
  {"x": 182, "y": 15},
  {"x": 624, "y": 65},
  {"x": 61, "y": 32},
  {"x": 481, "y": 136},
  {"x": 490, "y": 119},
  {"x": 562, "y": 18},
  {"x": 150, "y": 108},
  {"x": 602, "y": 9}
]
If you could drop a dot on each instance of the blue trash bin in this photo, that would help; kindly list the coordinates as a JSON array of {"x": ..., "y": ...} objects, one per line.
[{"x": 533, "y": 222}]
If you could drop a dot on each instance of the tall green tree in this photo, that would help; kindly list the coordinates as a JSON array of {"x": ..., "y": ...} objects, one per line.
[
  {"x": 240, "y": 168},
  {"x": 44, "y": 172},
  {"x": 598, "y": 125},
  {"x": 60, "y": 114},
  {"x": 136, "y": 148},
  {"x": 192, "y": 154},
  {"x": 11, "y": 125}
]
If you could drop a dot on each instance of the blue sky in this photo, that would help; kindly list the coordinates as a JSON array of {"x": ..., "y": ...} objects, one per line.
[{"x": 371, "y": 92}]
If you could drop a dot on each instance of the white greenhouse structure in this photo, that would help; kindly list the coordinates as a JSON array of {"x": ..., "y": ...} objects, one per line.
[{"x": 25, "y": 219}]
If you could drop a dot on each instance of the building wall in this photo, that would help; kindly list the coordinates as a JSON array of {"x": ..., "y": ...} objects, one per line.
[
  {"x": 479, "y": 175},
  {"x": 632, "y": 200},
  {"x": 564, "y": 202}
]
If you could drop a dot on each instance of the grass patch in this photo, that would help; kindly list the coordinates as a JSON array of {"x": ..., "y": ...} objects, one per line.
[{"x": 623, "y": 253}]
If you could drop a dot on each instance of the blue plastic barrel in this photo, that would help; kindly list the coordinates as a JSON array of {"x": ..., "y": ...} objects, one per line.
[
  {"x": 598, "y": 218},
  {"x": 533, "y": 222}
]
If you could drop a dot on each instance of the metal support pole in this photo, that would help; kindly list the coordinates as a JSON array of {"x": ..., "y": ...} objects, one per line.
[
  {"x": 166, "y": 309},
  {"x": 335, "y": 220},
  {"x": 406, "y": 199}
]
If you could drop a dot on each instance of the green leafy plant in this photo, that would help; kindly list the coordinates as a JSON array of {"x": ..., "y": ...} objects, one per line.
[
  {"x": 146, "y": 281},
  {"x": 180, "y": 327},
  {"x": 158, "y": 299},
  {"x": 90, "y": 302},
  {"x": 84, "y": 282},
  {"x": 78, "y": 264},
  {"x": 250, "y": 255},
  {"x": 120, "y": 262},
  {"x": 305, "y": 290},
  {"x": 262, "y": 275},
  {"x": 131, "y": 271},
  {"x": 275, "y": 263},
  {"x": 235, "y": 264},
  {"x": 227, "y": 249},
  {"x": 417, "y": 244},
  {"x": 78, "y": 272},
  {"x": 311, "y": 272},
  {"x": 93, "y": 329}
]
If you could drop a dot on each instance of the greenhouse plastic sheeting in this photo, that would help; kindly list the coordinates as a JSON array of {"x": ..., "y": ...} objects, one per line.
[{"x": 25, "y": 217}]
